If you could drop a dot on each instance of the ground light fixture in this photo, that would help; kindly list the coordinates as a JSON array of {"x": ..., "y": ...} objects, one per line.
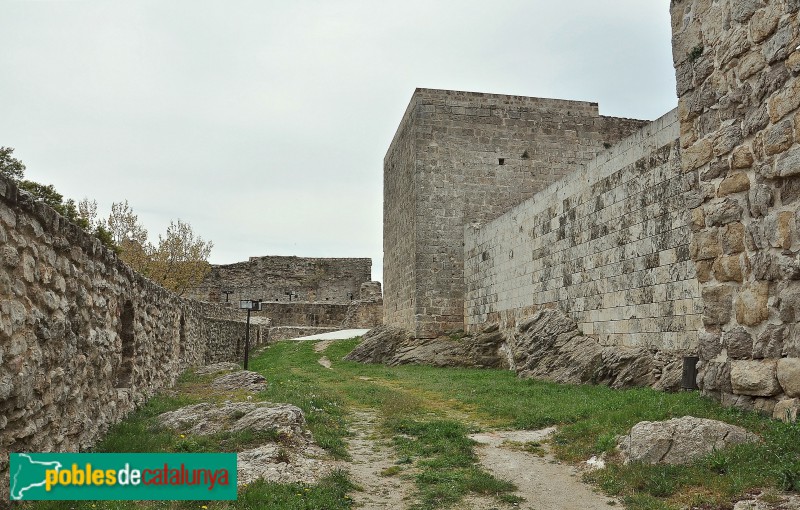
[{"x": 251, "y": 305}]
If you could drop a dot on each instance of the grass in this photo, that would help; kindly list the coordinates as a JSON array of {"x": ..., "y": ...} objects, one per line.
[{"x": 428, "y": 412}]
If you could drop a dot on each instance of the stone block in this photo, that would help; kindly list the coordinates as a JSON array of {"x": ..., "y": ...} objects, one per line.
[
  {"x": 703, "y": 270},
  {"x": 715, "y": 376},
  {"x": 789, "y": 376},
  {"x": 709, "y": 346},
  {"x": 727, "y": 138},
  {"x": 779, "y": 137},
  {"x": 751, "y": 304},
  {"x": 738, "y": 343},
  {"x": 790, "y": 190},
  {"x": 755, "y": 378},
  {"x": 728, "y": 269},
  {"x": 788, "y": 163},
  {"x": 732, "y": 238},
  {"x": 705, "y": 245},
  {"x": 697, "y": 154},
  {"x": 698, "y": 219},
  {"x": 734, "y": 183},
  {"x": 778, "y": 46},
  {"x": 717, "y": 301},
  {"x": 789, "y": 308},
  {"x": 786, "y": 410},
  {"x": 723, "y": 212},
  {"x": 741, "y": 10},
  {"x": 742, "y": 157},
  {"x": 770, "y": 342},
  {"x": 779, "y": 229},
  {"x": 763, "y": 24},
  {"x": 755, "y": 120},
  {"x": 785, "y": 101}
]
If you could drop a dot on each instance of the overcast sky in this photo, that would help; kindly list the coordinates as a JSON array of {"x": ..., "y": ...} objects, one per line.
[{"x": 264, "y": 123}]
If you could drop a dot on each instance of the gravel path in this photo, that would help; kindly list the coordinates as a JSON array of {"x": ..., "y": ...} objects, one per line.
[
  {"x": 370, "y": 457},
  {"x": 543, "y": 482}
]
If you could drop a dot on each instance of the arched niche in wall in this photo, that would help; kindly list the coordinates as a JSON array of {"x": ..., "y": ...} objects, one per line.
[{"x": 126, "y": 334}]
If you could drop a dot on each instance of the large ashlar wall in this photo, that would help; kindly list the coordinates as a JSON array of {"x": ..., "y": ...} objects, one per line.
[
  {"x": 737, "y": 67},
  {"x": 608, "y": 244},
  {"x": 83, "y": 338},
  {"x": 460, "y": 158}
]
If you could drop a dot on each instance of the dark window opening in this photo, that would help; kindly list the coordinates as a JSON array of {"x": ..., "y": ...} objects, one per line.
[
  {"x": 525, "y": 155},
  {"x": 501, "y": 161},
  {"x": 485, "y": 255},
  {"x": 126, "y": 334},
  {"x": 182, "y": 336}
]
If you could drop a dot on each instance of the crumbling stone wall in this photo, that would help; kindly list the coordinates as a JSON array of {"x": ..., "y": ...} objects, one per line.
[
  {"x": 737, "y": 64},
  {"x": 284, "y": 279},
  {"x": 465, "y": 158},
  {"x": 608, "y": 245},
  {"x": 83, "y": 338}
]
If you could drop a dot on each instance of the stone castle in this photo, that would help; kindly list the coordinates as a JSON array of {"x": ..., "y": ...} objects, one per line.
[
  {"x": 679, "y": 236},
  {"x": 300, "y": 296}
]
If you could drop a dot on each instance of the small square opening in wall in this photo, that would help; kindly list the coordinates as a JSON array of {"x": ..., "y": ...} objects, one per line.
[
  {"x": 485, "y": 255},
  {"x": 501, "y": 161}
]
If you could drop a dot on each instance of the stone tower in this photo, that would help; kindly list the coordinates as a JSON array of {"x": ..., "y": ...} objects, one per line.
[{"x": 460, "y": 158}]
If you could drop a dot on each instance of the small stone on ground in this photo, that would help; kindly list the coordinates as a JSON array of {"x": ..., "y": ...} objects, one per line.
[{"x": 224, "y": 366}]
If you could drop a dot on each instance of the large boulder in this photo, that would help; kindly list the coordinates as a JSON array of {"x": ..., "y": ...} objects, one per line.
[
  {"x": 241, "y": 380},
  {"x": 679, "y": 440},
  {"x": 394, "y": 346},
  {"x": 378, "y": 345},
  {"x": 550, "y": 346},
  {"x": 206, "y": 418}
]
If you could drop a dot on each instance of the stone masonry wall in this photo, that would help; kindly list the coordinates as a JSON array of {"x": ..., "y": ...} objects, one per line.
[
  {"x": 333, "y": 280},
  {"x": 737, "y": 66},
  {"x": 83, "y": 338},
  {"x": 357, "y": 314},
  {"x": 462, "y": 158},
  {"x": 607, "y": 244}
]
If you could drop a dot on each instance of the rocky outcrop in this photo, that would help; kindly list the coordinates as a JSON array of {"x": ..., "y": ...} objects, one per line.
[
  {"x": 240, "y": 380},
  {"x": 204, "y": 419},
  {"x": 394, "y": 346},
  {"x": 550, "y": 346},
  {"x": 680, "y": 440},
  {"x": 292, "y": 458},
  {"x": 545, "y": 346},
  {"x": 276, "y": 463}
]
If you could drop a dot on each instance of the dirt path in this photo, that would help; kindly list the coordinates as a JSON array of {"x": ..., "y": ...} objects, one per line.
[
  {"x": 543, "y": 482},
  {"x": 370, "y": 457}
]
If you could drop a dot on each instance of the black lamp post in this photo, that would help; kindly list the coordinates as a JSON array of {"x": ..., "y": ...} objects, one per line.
[{"x": 251, "y": 305}]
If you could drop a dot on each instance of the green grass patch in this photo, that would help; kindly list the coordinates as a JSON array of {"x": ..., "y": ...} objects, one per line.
[
  {"x": 447, "y": 462},
  {"x": 428, "y": 412}
]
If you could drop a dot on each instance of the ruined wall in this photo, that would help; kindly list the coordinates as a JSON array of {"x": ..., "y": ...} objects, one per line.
[
  {"x": 334, "y": 280},
  {"x": 84, "y": 339},
  {"x": 461, "y": 158},
  {"x": 608, "y": 244},
  {"x": 737, "y": 68}
]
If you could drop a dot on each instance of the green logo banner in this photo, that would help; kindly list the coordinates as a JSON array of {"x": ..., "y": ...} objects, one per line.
[{"x": 122, "y": 476}]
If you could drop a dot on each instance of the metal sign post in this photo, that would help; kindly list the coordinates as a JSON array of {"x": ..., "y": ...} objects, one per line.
[{"x": 251, "y": 305}]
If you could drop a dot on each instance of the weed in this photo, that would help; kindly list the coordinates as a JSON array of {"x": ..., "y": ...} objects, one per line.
[
  {"x": 391, "y": 470},
  {"x": 696, "y": 53}
]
